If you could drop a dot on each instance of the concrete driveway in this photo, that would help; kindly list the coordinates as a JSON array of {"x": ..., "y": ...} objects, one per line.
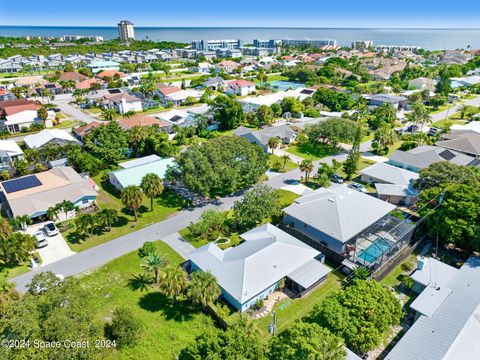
[{"x": 57, "y": 248}]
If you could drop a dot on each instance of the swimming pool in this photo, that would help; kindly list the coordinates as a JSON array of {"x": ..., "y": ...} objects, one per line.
[
  {"x": 375, "y": 250},
  {"x": 285, "y": 85}
]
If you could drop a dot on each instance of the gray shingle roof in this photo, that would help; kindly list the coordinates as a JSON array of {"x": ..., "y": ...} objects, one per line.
[
  {"x": 465, "y": 142},
  {"x": 390, "y": 174},
  {"x": 338, "y": 211},
  {"x": 267, "y": 255},
  {"x": 263, "y": 135}
]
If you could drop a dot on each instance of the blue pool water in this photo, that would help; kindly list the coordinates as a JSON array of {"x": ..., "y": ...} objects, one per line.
[
  {"x": 285, "y": 85},
  {"x": 371, "y": 253}
]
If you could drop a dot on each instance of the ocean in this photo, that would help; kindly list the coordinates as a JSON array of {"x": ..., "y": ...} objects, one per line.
[{"x": 431, "y": 39}]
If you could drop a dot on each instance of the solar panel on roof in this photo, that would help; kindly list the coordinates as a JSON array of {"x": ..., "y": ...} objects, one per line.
[
  {"x": 114, "y": 91},
  {"x": 305, "y": 91},
  {"x": 175, "y": 118},
  {"x": 447, "y": 155},
  {"x": 49, "y": 86},
  {"x": 24, "y": 183}
]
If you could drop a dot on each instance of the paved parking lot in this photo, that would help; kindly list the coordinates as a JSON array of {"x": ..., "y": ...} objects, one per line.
[{"x": 57, "y": 248}]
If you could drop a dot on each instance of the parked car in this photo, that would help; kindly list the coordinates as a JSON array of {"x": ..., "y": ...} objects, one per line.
[
  {"x": 337, "y": 179},
  {"x": 358, "y": 187},
  {"x": 50, "y": 229},
  {"x": 412, "y": 128},
  {"x": 433, "y": 131},
  {"x": 41, "y": 239}
]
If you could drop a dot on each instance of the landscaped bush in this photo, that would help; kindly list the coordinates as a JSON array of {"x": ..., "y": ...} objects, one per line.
[
  {"x": 147, "y": 248},
  {"x": 124, "y": 328}
]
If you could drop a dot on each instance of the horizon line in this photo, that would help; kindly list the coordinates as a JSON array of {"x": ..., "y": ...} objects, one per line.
[{"x": 245, "y": 27}]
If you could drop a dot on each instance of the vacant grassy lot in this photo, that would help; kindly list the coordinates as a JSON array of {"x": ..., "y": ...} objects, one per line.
[
  {"x": 310, "y": 151},
  {"x": 164, "y": 206},
  {"x": 167, "y": 327},
  {"x": 275, "y": 159}
]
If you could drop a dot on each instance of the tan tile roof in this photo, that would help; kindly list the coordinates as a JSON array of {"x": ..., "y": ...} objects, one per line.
[{"x": 141, "y": 120}]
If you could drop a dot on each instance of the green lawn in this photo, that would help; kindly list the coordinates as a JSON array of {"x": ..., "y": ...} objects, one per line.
[
  {"x": 167, "y": 327},
  {"x": 164, "y": 206},
  {"x": 441, "y": 108},
  {"x": 290, "y": 310},
  {"x": 449, "y": 122},
  {"x": 8, "y": 272},
  {"x": 314, "y": 152},
  {"x": 273, "y": 159},
  {"x": 94, "y": 110},
  {"x": 394, "y": 277},
  {"x": 363, "y": 163}
]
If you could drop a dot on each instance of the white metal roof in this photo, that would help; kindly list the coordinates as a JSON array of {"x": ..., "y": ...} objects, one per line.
[
  {"x": 267, "y": 255},
  {"x": 390, "y": 174},
  {"x": 44, "y": 136}
]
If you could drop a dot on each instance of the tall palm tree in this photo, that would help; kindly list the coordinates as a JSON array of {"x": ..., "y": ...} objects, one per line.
[
  {"x": 132, "y": 197},
  {"x": 464, "y": 109},
  {"x": 273, "y": 143},
  {"x": 108, "y": 217},
  {"x": 419, "y": 115},
  {"x": 154, "y": 263},
  {"x": 136, "y": 136},
  {"x": 285, "y": 159},
  {"x": 203, "y": 288},
  {"x": 152, "y": 186},
  {"x": 385, "y": 136},
  {"x": 174, "y": 282},
  {"x": 24, "y": 221},
  {"x": 306, "y": 166},
  {"x": 109, "y": 114},
  {"x": 85, "y": 223},
  {"x": 52, "y": 213}
]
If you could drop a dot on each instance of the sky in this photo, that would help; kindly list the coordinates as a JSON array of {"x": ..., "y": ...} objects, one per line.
[{"x": 248, "y": 13}]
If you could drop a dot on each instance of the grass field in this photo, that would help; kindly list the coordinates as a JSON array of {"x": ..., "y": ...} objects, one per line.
[
  {"x": 273, "y": 159},
  {"x": 362, "y": 164},
  {"x": 167, "y": 327},
  {"x": 449, "y": 122},
  {"x": 309, "y": 151},
  {"x": 164, "y": 206}
]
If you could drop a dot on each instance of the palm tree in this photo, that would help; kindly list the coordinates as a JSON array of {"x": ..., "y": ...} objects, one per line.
[
  {"x": 24, "y": 221},
  {"x": 174, "y": 282},
  {"x": 203, "y": 288},
  {"x": 132, "y": 198},
  {"x": 464, "y": 109},
  {"x": 108, "y": 217},
  {"x": 273, "y": 143},
  {"x": 66, "y": 206},
  {"x": 286, "y": 158},
  {"x": 85, "y": 224},
  {"x": 154, "y": 263},
  {"x": 109, "y": 114},
  {"x": 385, "y": 136},
  {"x": 136, "y": 136},
  {"x": 152, "y": 186},
  {"x": 306, "y": 166},
  {"x": 419, "y": 115},
  {"x": 52, "y": 213}
]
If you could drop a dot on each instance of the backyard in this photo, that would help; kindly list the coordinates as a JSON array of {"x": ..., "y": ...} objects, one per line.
[
  {"x": 167, "y": 326},
  {"x": 166, "y": 205}
]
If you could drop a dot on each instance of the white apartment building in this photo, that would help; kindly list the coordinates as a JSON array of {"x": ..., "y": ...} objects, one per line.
[
  {"x": 126, "y": 32},
  {"x": 213, "y": 45}
]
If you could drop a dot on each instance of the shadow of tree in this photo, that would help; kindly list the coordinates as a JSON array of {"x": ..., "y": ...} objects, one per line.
[
  {"x": 140, "y": 282},
  {"x": 182, "y": 310}
]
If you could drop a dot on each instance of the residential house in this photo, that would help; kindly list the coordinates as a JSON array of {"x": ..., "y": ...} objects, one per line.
[
  {"x": 89, "y": 84},
  {"x": 422, "y": 83},
  {"x": 24, "y": 119},
  {"x": 179, "y": 97},
  {"x": 393, "y": 184},
  {"x": 241, "y": 87},
  {"x": 466, "y": 81},
  {"x": 399, "y": 102},
  {"x": 9, "y": 152},
  {"x": 10, "y": 107},
  {"x": 422, "y": 157},
  {"x": 216, "y": 83},
  {"x": 227, "y": 66},
  {"x": 252, "y": 103},
  {"x": 49, "y": 136},
  {"x": 112, "y": 73},
  {"x": 141, "y": 120},
  {"x": 81, "y": 131},
  {"x": 447, "y": 324},
  {"x": 123, "y": 102},
  {"x": 72, "y": 76},
  {"x": 6, "y": 95},
  {"x": 336, "y": 216},
  {"x": 133, "y": 175},
  {"x": 249, "y": 272},
  {"x": 261, "y": 137},
  {"x": 33, "y": 195},
  {"x": 467, "y": 143}
]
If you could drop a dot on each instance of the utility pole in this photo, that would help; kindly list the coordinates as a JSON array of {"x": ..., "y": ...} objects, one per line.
[{"x": 273, "y": 325}]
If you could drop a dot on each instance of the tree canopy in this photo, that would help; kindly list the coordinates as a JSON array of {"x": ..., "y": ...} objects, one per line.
[
  {"x": 228, "y": 112},
  {"x": 107, "y": 143},
  {"x": 220, "y": 166},
  {"x": 333, "y": 130},
  {"x": 334, "y": 100}
]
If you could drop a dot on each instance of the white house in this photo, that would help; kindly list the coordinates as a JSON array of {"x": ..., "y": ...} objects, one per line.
[
  {"x": 46, "y": 136},
  {"x": 24, "y": 119},
  {"x": 241, "y": 87},
  {"x": 98, "y": 66},
  {"x": 9, "y": 152},
  {"x": 124, "y": 103},
  {"x": 179, "y": 97},
  {"x": 422, "y": 83}
]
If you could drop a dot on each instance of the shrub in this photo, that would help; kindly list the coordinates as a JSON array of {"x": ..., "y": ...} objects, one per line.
[
  {"x": 124, "y": 328},
  {"x": 147, "y": 248}
]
